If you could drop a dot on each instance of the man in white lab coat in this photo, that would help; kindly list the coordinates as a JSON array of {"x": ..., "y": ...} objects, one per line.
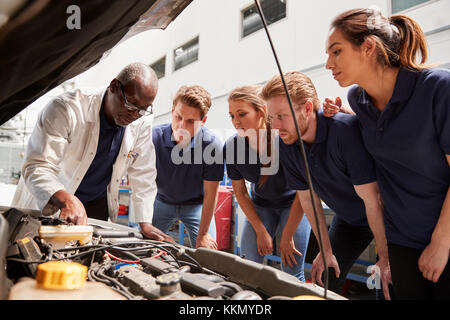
[{"x": 84, "y": 143}]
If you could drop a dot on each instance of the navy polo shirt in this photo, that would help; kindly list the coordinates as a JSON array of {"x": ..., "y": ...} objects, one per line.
[
  {"x": 409, "y": 141},
  {"x": 337, "y": 160},
  {"x": 181, "y": 172},
  {"x": 98, "y": 176},
  {"x": 274, "y": 193}
]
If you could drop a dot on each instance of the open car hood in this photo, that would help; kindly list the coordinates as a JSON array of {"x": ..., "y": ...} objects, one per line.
[{"x": 41, "y": 46}]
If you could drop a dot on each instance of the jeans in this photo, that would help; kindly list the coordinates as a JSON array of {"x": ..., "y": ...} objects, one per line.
[
  {"x": 272, "y": 219},
  {"x": 164, "y": 215},
  {"x": 347, "y": 242}
]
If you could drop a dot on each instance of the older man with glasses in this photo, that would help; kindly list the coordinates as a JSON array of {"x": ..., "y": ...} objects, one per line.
[
  {"x": 82, "y": 146},
  {"x": 146, "y": 111}
]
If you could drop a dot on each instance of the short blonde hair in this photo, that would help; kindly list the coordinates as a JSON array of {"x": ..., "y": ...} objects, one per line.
[
  {"x": 299, "y": 85},
  {"x": 194, "y": 96}
]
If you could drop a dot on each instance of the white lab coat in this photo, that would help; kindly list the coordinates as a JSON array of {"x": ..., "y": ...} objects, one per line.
[{"x": 63, "y": 145}]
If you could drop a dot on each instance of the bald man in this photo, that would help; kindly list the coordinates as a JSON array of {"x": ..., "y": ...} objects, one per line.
[{"x": 84, "y": 143}]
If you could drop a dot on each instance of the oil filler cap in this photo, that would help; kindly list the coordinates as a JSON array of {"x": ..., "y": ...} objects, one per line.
[
  {"x": 61, "y": 275},
  {"x": 169, "y": 283},
  {"x": 168, "y": 279}
]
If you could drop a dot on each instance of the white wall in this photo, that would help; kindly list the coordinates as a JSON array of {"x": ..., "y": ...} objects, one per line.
[{"x": 226, "y": 61}]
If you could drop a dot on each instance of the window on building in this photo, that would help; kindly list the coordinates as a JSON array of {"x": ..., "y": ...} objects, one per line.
[
  {"x": 186, "y": 54},
  {"x": 400, "y": 5},
  {"x": 273, "y": 11},
  {"x": 159, "y": 67}
]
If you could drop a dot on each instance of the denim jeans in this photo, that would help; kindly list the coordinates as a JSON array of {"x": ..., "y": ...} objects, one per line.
[
  {"x": 164, "y": 215},
  {"x": 272, "y": 219},
  {"x": 348, "y": 242}
]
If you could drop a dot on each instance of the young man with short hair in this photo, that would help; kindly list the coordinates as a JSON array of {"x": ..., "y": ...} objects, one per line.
[
  {"x": 342, "y": 173},
  {"x": 190, "y": 168}
]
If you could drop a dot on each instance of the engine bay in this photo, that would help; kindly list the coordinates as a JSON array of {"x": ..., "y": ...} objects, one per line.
[{"x": 121, "y": 264}]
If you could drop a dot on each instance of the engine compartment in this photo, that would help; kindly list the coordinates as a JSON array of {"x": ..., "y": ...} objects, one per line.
[{"x": 124, "y": 265}]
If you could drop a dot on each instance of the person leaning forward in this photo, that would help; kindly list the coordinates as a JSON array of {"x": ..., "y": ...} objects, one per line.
[
  {"x": 402, "y": 106},
  {"x": 342, "y": 175},
  {"x": 190, "y": 167},
  {"x": 84, "y": 143}
]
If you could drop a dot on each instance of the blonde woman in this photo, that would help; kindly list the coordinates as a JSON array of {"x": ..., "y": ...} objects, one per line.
[{"x": 252, "y": 155}]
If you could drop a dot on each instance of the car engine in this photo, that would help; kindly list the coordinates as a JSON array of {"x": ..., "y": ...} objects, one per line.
[{"x": 120, "y": 264}]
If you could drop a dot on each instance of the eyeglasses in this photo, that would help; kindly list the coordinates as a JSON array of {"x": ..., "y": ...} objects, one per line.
[{"x": 132, "y": 108}]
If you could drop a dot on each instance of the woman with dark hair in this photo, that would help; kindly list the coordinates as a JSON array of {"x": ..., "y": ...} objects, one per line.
[
  {"x": 404, "y": 111},
  {"x": 252, "y": 155}
]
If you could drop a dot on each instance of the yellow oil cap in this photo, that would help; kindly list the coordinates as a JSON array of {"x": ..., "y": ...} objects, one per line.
[
  {"x": 308, "y": 297},
  {"x": 61, "y": 275}
]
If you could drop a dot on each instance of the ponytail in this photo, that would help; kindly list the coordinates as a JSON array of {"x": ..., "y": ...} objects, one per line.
[{"x": 413, "y": 46}]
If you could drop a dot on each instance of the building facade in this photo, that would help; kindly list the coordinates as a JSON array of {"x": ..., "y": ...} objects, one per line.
[{"x": 220, "y": 45}]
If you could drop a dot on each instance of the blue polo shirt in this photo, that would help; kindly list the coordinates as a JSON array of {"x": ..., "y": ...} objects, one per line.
[
  {"x": 337, "y": 160},
  {"x": 274, "y": 193},
  {"x": 409, "y": 141},
  {"x": 98, "y": 176},
  {"x": 181, "y": 172}
]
